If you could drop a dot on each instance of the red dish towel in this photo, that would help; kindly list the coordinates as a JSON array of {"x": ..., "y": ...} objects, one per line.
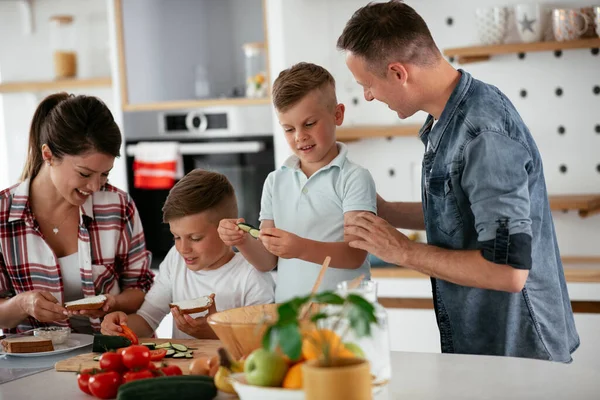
[{"x": 157, "y": 165}]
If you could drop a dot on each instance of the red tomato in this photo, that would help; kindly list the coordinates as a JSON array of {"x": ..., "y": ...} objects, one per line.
[
  {"x": 171, "y": 370},
  {"x": 83, "y": 378},
  {"x": 158, "y": 354},
  {"x": 112, "y": 362},
  {"x": 136, "y": 375},
  {"x": 129, "y": 334},
  {"x": 105, "y": 385},
  {"x": 136, "y": 356}
]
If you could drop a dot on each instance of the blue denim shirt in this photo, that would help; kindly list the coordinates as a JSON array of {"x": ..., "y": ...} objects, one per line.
[{"x": 484, "y": 189}]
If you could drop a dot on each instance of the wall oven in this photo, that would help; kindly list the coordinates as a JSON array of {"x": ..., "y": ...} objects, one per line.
[{"x": 235, "y": 141}]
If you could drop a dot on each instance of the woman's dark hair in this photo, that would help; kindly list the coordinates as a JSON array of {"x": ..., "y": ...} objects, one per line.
[{"x": 70, "y": 125}]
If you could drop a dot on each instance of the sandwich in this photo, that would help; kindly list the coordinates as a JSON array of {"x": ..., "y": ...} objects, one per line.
[
  {"x": 88, "y": 303},
  {"x": 194, "y": 306},
  {"x": 27, "y": 344}
]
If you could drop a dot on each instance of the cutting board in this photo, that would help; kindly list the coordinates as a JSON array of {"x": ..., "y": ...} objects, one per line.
[{"x": 202, "y": 348}]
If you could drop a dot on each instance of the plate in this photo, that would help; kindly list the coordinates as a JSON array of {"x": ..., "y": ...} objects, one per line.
[{"x": 75, "y": 341}]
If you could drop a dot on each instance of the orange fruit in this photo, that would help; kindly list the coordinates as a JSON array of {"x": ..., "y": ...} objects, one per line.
[
  {"x": 317, "y": 341},
  {"x": 293, "y": 378}
]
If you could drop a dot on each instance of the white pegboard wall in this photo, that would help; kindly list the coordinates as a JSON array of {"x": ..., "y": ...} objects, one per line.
[{"x": 395, "y": 163}]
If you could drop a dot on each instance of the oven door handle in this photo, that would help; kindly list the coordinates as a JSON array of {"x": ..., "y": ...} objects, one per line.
[{"x": 212, "y": 148}]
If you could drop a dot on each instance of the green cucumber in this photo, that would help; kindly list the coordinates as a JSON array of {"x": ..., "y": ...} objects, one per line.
[
  {"x": 179, "y": 347},
  {"x": 165, "y": 345},
  {"x": 190, "y": 387},
  {"x": 254, "y": 232},
  {"x": 149, "y": 345},
  {"x": 104, "y": 343},
  {"x": 170, "y": 352},
  {"x": 188, "y": 355},
  {"x": 97, "y": 358},
  {"x": 179, "y": 355}
]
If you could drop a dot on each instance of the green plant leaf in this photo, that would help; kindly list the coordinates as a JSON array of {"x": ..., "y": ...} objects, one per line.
[
  {"x": 319, "y": 316},
  {"x": 365, "y": 306},
  {"x": 290, "y": 340},
  {"x": 328, "y": 298},
  {"x": 267, "y": 338},
  {"x": 288, "y": 312}
]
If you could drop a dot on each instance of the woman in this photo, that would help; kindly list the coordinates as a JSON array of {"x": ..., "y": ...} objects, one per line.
[{"x": 65, "y": 233}]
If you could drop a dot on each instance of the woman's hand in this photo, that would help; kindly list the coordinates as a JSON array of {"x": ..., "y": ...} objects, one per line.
[
  {"x": 108, "y": 306},
  {"x": 111, "y": 324},
  {"x": 42, "y": 306},
  {"x": 196, "y": 327}
]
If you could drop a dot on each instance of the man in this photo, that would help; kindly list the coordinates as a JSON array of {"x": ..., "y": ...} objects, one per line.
[{"x": 498, "y": 282}]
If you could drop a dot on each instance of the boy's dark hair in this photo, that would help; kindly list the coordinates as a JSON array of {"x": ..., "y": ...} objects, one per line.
[
  {"x": 200, "y": 191},
  {"x": 294, "y": 83},
  {"x": 382, "y": 33}
]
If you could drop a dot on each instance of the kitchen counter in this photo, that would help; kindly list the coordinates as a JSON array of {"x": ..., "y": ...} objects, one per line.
[{"x": 415, "y": 376}]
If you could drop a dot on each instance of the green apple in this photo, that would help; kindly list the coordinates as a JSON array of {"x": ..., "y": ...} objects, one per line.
[
  {"x": 355, "y": 349},
  {"x": 265, "y": 368}
]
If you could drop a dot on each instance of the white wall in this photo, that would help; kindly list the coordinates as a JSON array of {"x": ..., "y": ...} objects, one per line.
[{"x": 28, "y": 57}]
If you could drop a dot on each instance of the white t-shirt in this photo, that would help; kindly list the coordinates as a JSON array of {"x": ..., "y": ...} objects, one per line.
[
  {"x": 235, "y": 284},
  {"x": 314, "y": 208}
]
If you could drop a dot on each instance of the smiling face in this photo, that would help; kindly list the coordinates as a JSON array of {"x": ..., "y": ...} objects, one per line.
[
  {"x": 393, "y": 89},
  {"x": 309, "y": 127},
  {"x": 197, "y": 241},
  {"x": 77, "y": 177}
]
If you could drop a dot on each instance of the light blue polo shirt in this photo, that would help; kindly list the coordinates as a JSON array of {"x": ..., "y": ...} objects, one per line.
[{"x": 314, "y": 208}]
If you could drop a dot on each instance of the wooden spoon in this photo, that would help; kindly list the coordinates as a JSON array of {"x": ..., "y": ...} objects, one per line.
[{"x": 316, "y": 286}]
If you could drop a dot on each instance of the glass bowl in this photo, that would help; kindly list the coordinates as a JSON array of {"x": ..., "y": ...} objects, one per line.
[{"x": 57, "y": 334}]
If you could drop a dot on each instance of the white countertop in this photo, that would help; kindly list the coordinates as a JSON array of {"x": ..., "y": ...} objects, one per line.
[{"x": 415, "y": 376}]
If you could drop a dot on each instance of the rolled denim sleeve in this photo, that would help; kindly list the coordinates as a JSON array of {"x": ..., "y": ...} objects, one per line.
[{"x": 496, "y": 181}]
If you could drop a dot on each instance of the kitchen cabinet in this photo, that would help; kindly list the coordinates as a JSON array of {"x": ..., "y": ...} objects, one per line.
[{"x": 186, "y": 53}]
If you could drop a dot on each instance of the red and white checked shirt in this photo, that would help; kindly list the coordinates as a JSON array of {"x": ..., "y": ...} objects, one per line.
[{"x": 111, "y": 248}]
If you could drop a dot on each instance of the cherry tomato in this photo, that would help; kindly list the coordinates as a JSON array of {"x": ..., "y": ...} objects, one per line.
[
  {"x": 105, "y": 384},
  {"x": 83, "y": 378},
  {"x": 136, "y": 375},
  {"x": 136, "y": 356},
  {"x": 171, "y": 370},
  {"x": 158, "y": 354},
  {"x": 129, "y": 334},
  {"x": 112, "y": 362}
]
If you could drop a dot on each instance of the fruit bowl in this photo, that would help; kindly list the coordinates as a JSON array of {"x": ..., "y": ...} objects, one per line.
[
  {"x": 241, "y": 329},
  {"x": 250, "y": 392}
]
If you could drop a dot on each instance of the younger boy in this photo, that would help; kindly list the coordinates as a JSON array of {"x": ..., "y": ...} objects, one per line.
[
  {"x": 306, "y": 201},
  {"x": 199, "y": 264}
]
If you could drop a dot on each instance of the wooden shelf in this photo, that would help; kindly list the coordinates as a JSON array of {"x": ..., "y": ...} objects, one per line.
[
  {"x": 586, "y": 204},
  {"x": 182, "y": 104},
  {"x": 354, "y": 133},
  {"x": 465, "y": 55},
  {"x": 55, "y": 85},
  {"x": 577, "y": 269}
]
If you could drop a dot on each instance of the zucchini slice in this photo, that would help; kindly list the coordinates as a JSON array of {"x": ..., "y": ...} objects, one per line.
[
  {"x": 179, "y": 347},
  {"x": 188, "y": 355},
  {"x": 166, "y": 345},
  {"x": 179, "y": 355},
  {"x": 254, "y": 232},
  {"x": 170, "y": 352},
  {"x": 149, "y": 345},
  {"x": 97, "y": 358}
]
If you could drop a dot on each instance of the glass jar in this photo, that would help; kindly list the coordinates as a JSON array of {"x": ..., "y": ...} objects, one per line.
[
  {"x": 376, "y": 347},
  {"x": 256, "y": 70},
  {"x": 62, "y": 41}
]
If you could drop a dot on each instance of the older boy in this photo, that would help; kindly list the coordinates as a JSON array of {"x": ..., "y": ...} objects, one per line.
[
  {"x": 199, "y": 264},
  {"x": 306, "y": 202}
]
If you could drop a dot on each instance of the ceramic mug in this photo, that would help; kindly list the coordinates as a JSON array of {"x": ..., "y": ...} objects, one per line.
[
  {"x": 492, "y": 24},
  {"x": 597, "y": 19},
  {"x": 569, "y": 24},
  {"x": 589, "y": 33},
  {"x": 530, "y": 22}
]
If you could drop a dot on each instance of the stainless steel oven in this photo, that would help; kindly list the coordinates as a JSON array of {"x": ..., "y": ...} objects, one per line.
[{"x": 235, "y": 141}]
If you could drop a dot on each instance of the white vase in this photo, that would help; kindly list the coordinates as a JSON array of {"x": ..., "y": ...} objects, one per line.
[{"x": 492, "y": 24}]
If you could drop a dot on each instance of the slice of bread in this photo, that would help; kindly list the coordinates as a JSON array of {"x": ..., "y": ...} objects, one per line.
[
  {"x": 27, "y": 344},
  {"x": 193, "y": 306},
  {"x": 87, "y": 303}
]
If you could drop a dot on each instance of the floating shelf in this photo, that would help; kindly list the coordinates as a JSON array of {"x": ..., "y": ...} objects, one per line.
[
  {"x": 182, "y": 104},
  {"x": 354, "y": 133},
  {"x": 465, "y": 55},
  {"x": 55, "y": 85},
  {"x": 586, "y": 204}
]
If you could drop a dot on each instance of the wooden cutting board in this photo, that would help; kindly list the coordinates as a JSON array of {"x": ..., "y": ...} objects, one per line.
[{"x": 202, "y": 348}]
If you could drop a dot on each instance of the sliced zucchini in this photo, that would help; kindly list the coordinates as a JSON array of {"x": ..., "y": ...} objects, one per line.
[
  {"x": 166, "y": 345},
  {"x": 97, "y": 358},
  {"x": 179, "y": 355},
  {"x": 188, "y": 355},
  {"x": 254, "y": 232},
  {"x": 179, "y": 347},
  {"x": 170, "y": 352},
  {"x": 149, "y": 345}
]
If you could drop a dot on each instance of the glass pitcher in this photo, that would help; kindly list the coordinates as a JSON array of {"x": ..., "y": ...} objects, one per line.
[{"x": 374, "y": 348}]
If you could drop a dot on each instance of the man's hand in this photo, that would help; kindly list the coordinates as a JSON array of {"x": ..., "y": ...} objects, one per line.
[
  {"x": 377, "y": 237},
  {"x": 281, "y": 243},
  {"x": 42, "y": 306},
  {"x": 111, "y": 324},
  {"x": 230, "y": 233},
  {"x": 108, "y": 306},
  {"x": 196, "y": 327}
]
